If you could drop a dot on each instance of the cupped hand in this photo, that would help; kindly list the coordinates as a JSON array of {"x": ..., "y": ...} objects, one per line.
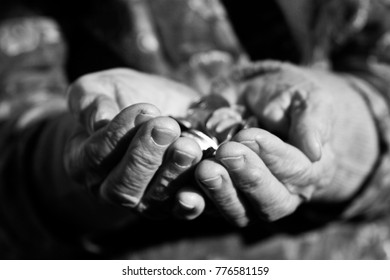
[
  {"x": 328, "y": 149},
  {"x": 125, "y": 150}
]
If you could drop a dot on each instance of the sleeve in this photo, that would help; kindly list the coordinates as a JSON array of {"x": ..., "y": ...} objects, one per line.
[
  {"x": 356, "y": 43},
  {"x": 23, "y": 230},
  {"x": 43, "y": 213}
]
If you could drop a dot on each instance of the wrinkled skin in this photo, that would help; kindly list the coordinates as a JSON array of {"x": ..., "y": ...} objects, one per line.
[
  {"x": 259, "y": 176},
  {"x": 126, "y": 150},
  {"x": 129, "y": 154}
]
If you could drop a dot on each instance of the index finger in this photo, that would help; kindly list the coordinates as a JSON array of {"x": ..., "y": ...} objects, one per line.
[
  {"x": 311, "y": 119},
  {"x": 268, "y": 197},
  {"x": 286, "y": 162}
]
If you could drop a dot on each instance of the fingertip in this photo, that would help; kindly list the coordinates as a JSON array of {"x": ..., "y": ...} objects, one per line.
[
  {"x": 95, "y": 112},
  {"x": 142, "y": 118},
  {"x": 273, "y": 113},
  {"x": 190, "y": 204},
  {"x": 167, "y": 123},
  {"x": 163, "y": 136},
  {"x": 208, "y": 169},
  {"x": 311, "y": 124},
  {"x": 185, "y": 152},
  {"x": 74, "y": 94},
  {"x": 163, "y": 131},
  {"x": 231, "y": 149},
  {"x": 311, "y": 146},
  {"x": 102, "y": 115},
  {"x": 144, "y": 112},
  {"x": 305, "y": 134}
]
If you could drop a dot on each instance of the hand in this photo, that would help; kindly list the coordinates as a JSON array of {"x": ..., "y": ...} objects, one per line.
[
  {"x": 330, "y": 146},
  {"x": 124, "y": 150}
]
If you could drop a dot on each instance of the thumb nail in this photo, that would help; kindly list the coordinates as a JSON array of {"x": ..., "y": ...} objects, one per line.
[
  {"x": 313, "y": 147},
  {"x": 142, "y": 117},
  {"x": 163, "y": 137}
]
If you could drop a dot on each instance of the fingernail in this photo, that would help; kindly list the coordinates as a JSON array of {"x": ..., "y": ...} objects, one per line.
[
  {"x": 233, "y": 163},
  {"x": 213, "y": 183},
  {"x": 312, "y": 146},
  {"x": 102, "y": 117},
  {"x": 142, "y": 117},
  {"x": 185, "y": 211},
  {"x": 99, "y": 124},
  {"x": 189, "y": 204},
  {"x": 96, "y": 122},
  {"x": 183, "y": 159},
  {"x": 163, "y": 137},
  {"x": 186, "y": 206}
]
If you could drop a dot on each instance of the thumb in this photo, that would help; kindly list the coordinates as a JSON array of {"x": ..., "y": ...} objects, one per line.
[
  {"x": 310, "y": 124},
  {"x": 92, "y": 103}
]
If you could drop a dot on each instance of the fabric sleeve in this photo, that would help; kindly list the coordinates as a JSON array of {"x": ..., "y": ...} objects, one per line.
[
  {"x": 43, "y": 213},
  {"x": 356, "y": 44}
]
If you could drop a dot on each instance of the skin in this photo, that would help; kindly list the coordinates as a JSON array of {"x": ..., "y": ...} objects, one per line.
[
  {"x": 126, "y": 150},
  {"x": 259, "y": 176},
  {"x": 128, "y": 153}
]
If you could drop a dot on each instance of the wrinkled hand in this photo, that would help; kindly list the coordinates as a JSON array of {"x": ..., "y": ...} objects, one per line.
[
  {"x": 322, "y": 121},
  {"x": 126, "y": 150}
]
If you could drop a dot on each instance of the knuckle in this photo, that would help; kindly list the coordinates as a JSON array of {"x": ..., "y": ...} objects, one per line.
[
  {"x": 113, "y": 136},
  {"x": 94, "y": 155},
  {"x": 120, "y": 191},
  {"x": 225, "y": 199},
  {"x": 144, "y": 160},
  {"x": 134, "y": 176},
  {"x": 250, "y": 184},
  {"x": 167, "y": 177},
  {"x": 159, "y": 192},
  {"x": 161, "y": 188}
]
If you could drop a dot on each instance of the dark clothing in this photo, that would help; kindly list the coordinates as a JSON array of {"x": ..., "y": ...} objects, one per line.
[{"x": 191, "y": 41}]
